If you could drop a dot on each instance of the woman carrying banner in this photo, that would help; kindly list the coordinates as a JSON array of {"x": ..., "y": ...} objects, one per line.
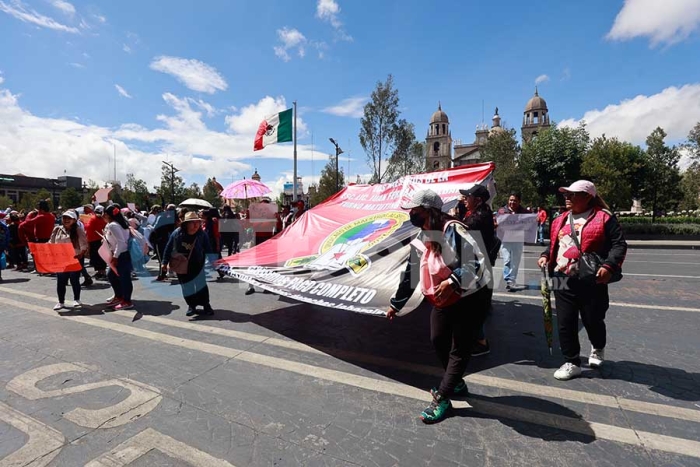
[
  {"x": 186, "y": 253},
  {"x": 68, "y": 232},
  {"x": 587, "y": 227},
  {"x": 119, "y": 274},
  {"x": 454, "y": 273}
]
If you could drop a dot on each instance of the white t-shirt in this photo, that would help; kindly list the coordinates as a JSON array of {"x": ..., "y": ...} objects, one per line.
[{"x": 568, "y": 253}]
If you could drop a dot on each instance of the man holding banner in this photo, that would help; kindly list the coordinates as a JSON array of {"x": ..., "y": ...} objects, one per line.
[{"x": 515, "y": 227}]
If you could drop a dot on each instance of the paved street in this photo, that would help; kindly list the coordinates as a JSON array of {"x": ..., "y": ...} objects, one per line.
[{"x": 271, "y": 382}]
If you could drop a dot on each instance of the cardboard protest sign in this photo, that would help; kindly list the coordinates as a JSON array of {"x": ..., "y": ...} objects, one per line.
[
  {"x": 106, "y": 255},
  {"x": 517, "y": 227},
  {"x": 131, "y": 206},
  {"x": 50, "y": 258}
]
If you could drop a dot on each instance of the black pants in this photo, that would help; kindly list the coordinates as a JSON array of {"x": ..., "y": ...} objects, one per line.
[
  {"x": 229, "y": 241},
  {"x": 453, "y": 332},
  {"x": 194, "y": 285},
  {"x": 96, "y": 260},
  {"x": 62, "y": 279},
  {"x": 83, "y": 271},
  {"x": 160, "y": 249},
  {"x": 591, "y": 302}
]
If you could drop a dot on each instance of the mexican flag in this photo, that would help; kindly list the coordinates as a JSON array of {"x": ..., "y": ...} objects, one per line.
[{"x": 274, "y": 129}]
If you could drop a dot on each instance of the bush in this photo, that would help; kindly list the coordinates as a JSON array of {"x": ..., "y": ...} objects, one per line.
[
  {"x": 660, "y": 220},
  {"x": 660, "y": 229}
]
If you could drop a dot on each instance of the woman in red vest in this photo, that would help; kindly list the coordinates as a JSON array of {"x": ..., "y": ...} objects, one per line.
[{"x": 587, "y": 226}]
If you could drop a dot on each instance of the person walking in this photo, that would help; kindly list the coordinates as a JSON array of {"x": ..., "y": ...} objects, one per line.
[
  {"x": 479, "y": 218},
  {"x": 18, "y": 243},
  {"x": 119, "y": 274},
  {"x": 586, "y": 227},
  {"x": 162, "y": 228},
  {"x": 512, "y": 251},
  {"x": 94, "y": 230},
  {"x": 69, "y": 232},
  {"x": 39, "y": 223},
  {"x": 454, "y": 277},
  {"x": 541, "y": 224},
  {"x": 229, "y": 228},
  {"x": 4, "y": 245},
  {"x": 190, "y": 246}
]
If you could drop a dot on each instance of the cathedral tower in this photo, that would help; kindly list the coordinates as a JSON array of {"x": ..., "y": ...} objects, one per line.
[
  {"x": 535, "y": 118},
  {"x": 438, "y": 142}
]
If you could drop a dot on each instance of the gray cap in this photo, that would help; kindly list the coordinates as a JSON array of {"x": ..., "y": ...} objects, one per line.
[{"x": 424, "y": 198}]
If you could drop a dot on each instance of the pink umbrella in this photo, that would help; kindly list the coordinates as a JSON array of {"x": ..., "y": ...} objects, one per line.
[{"x": 244, "y": 189}]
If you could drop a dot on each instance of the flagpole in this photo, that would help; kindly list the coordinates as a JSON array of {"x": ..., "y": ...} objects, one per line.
[{"x": 294, "y": 185}]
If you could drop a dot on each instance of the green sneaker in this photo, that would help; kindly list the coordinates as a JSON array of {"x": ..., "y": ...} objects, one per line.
[
  {"x": 461, "y": 390},
  {"x": 437, "y": 410}
]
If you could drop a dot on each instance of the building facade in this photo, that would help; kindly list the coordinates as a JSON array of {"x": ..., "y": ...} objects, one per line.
[
  {"x": 16, "y": 186},
  {"x": 535, "y": 118},
  {"x": 438, "y": 142}
]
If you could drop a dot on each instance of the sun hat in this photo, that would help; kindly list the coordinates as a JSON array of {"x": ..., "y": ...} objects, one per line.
[
  {"x": 580, "y": 186},
  {"x": 191, "y": 216},
  {"x": 99, "y": 209},
  {"x": 480, "y": 191},
  {"x": 424, "y": 198},
  {"x": 70, "y": 214}
]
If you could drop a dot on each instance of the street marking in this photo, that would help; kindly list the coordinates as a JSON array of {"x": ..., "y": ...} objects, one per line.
[
  {"x": 142, "y": 398},
  {"x": 41, "y": 448},
  {"x": 650, "y": 408},
  {"x": 620, "y": 304},
  {"x": 623, "y": 273},
  {"x": 598, "y": 430},
  {"x": 150, "y": 439}
]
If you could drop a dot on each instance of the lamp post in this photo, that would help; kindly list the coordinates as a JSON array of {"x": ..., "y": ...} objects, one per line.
[
  {"x": 338, "y": 152},
  {"x": 172, "y": 180}
]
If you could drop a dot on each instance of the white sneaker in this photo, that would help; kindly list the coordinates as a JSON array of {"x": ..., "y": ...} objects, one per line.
[
  {"x": 57, "y": 306},
  {"x": 567, "y": 371},
  {"x": 596, "y": 358},
  {"x": 77, "y": 304}
]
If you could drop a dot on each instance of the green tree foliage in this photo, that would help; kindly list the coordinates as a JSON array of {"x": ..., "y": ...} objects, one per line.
[
  {"x": 503, "y": 149},
  {"x": 71, "y": 199},
  {"x": 44, "y": 194},
  {"x": 210, "y": 192},
  {"x": 553, "y": 158},
  {"x": 27, "y": 202},
  {"x": 136, "y": 191},
  {"x": 92, "y": 186},
  {"x": 193, "y": 191},
  {"x": 693, "y": 144},
  {"x": 172, "y": 187},
  {"x": 5, "y": 202},
  {"x": 378, "y": 126},
  {"x": 409, "y": 155},
  {"x": 661, "y": 187},
  {"x": 690, "y": 187},
  {"x": 327, "y": 186},
  {"x": 616, "y": 168}
]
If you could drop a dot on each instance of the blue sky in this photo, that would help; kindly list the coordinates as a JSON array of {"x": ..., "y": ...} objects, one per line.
[{"x": 191, "y": 81}]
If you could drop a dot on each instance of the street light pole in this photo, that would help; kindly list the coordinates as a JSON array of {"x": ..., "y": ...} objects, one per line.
[
  {"x": 338, "y": 152},
  {"x": 172, "y": 180}
]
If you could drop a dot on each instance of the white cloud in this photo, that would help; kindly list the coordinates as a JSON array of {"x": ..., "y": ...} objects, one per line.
[
  {"x": 328, "y": 10},
  {"x": 80, "y": 66},
  {"x": 351, "y": 107},
  {"x": 100, "y": 18},
  {"x": 291, "y": 39},
  {"x": 194, "y": 74},
  {"x": 180, "y": 135},
  {"x": 64, "y": 7},
  {"x": 2, "y": 80},
  {"x": 664, "y": 22},
  {"x": 541, "y": 79},
  {"x": 19, "y": 11},
  {"x": 674, "y": 109},
  {"x": 122, "y": 92},
  {"x": 126, "y": 48}
]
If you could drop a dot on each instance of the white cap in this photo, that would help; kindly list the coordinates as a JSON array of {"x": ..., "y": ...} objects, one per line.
[
  {"x": 424, "y": 198},
  {"x": 70, "y": 214},
  {"x": 580, "y": 186}
]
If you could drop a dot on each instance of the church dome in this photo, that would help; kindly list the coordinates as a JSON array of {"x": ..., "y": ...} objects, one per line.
[
  {"x": 536, "y": 103},
  {"x": 439, "y": 116}
]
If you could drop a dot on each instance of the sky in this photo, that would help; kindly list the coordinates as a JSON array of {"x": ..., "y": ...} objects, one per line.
[{"x": 189, "y": 82}]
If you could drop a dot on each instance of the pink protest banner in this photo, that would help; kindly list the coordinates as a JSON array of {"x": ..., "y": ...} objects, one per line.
[{"x": 50, "y": 258}]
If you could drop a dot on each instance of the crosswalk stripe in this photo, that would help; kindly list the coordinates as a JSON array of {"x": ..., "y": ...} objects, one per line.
[
  {"x": 650, "y": 408},
  {"x": 514, "y": 296},
  {"x": 598, "y": 430}
]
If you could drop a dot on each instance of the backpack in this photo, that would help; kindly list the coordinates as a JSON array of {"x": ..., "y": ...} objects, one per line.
[{"x": 138, "y": 249}]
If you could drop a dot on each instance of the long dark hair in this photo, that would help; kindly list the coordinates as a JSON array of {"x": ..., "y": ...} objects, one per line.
[
  {"x": 73, "y": 234},
  {"x": 114, "y": 212},
  {"x": 436, "y": 222}
]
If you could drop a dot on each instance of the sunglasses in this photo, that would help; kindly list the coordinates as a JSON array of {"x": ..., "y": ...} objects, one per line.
[{"x": 569, "y": 195}]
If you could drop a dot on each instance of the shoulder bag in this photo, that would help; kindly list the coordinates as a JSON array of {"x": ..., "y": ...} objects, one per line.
[
  {"x": 589, "y": 263},
  {"x": 179, "y": 262}
]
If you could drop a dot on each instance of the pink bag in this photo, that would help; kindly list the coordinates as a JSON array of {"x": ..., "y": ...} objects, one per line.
[{"x": 433, "y": 271}]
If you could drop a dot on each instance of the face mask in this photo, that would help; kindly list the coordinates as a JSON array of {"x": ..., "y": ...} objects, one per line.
[{"x": 416, "y": 219}]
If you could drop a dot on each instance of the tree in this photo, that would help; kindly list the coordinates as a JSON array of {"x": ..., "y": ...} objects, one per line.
[
  {"x": 378, "y": 130},
  {"x": 662, "y": 180},
  {"x": 171, "y": 188},
  {"x": 327, "y": 183},
  {"x": 136, "y": 191},
  {"x": 5, "y": 202},
  {"x": 616, "y": 167},
  {"x": 211, "y": 193},
  {"x": 553, "y": 158},
  {"x": 502, "y": 148},
  {"x": 690, "y": 187},
  {"x": 193, "y": 191},
  {"x": 92, "y": 186},
  {"x": 693, "y": 144},
  {"x": 70, "y": 198},
  {"x": 45, "y": 195},
  {"x": 27, "y": 202},
  {"x": 408, "y": 156}
]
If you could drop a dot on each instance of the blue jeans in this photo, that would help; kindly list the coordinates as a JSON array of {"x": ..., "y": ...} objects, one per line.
[
  {"x": 121, "y": 284},
  {"x": 511, "y": 252},
  {"x": 540, "y": 233}
]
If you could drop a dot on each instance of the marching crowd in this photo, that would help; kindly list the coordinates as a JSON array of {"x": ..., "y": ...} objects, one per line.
[{"x": 453, "y": 255}]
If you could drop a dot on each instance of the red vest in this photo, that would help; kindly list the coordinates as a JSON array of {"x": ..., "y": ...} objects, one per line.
[{"x": 592, "y": 234}]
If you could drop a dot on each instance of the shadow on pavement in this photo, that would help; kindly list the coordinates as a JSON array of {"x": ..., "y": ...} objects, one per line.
[
  {"x": 511, "y": 410},
  {"x": 153, "y": 308},
  {"x": 13, "y": 281},
  {"x": 669, "y": 382}
]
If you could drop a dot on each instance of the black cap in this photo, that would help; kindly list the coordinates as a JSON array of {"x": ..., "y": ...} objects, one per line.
[{"x": 480, "y": 191}]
